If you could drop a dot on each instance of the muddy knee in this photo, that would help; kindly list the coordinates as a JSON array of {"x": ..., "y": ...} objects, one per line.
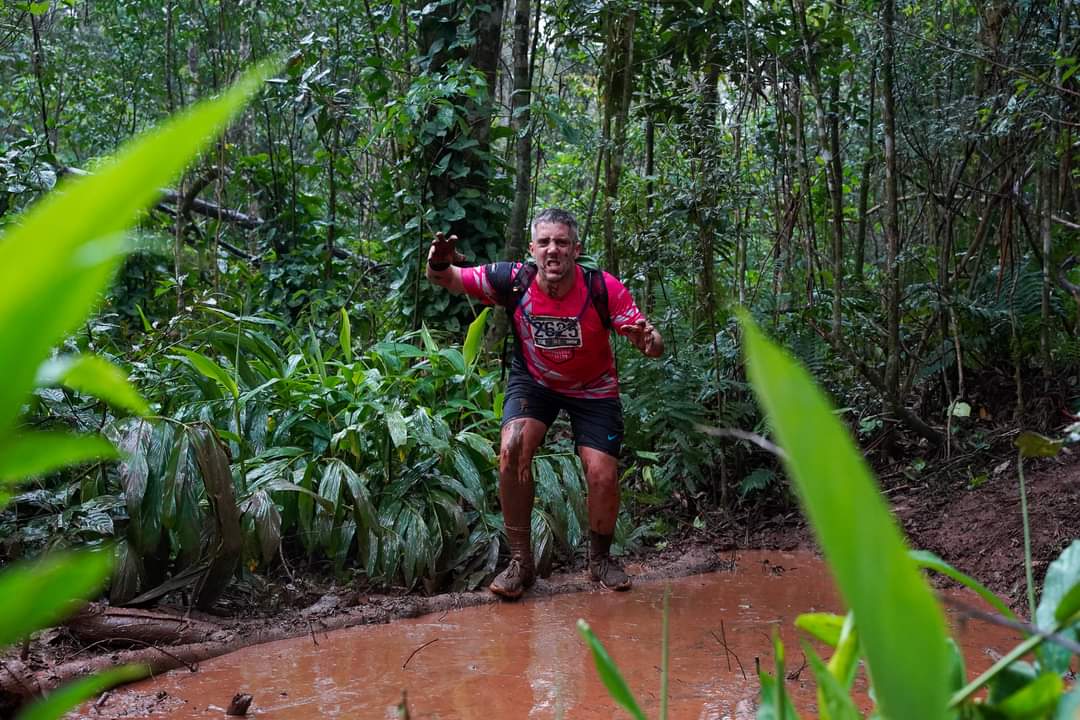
[{"x": 512, "y": 447}]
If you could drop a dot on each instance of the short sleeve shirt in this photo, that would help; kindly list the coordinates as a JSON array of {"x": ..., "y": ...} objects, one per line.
[{"x": 561, "y": 342}]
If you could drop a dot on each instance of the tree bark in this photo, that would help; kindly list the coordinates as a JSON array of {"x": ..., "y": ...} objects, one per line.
[
  {"x": 618, "y": 88},
  {"x": 519, "y": 122},
  {"x": 892, "y": 223}
]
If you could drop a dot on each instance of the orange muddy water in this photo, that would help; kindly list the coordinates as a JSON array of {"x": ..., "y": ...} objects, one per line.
[{"x": 526, "y": 659}]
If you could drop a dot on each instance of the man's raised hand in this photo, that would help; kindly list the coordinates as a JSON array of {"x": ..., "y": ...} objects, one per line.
[
  {"x": 644, "y": 337},
  {"x": 443, "y": 252}
]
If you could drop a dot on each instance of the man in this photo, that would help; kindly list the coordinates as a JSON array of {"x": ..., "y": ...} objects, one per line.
[{"x": 562, "y": 361}]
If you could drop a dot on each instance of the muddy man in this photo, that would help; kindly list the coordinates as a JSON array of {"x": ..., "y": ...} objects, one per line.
[{"x": 562, "y": 361}]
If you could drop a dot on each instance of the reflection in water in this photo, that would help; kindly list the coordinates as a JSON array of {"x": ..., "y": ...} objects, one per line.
[{"x": 526, "y": 659}]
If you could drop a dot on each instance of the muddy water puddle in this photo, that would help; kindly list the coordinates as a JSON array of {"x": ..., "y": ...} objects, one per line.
[{"x": 526, "y": 659}]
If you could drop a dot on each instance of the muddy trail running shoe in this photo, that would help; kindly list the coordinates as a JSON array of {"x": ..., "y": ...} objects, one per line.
[
  {"x": 609, "y": 572},
  {"x": 513, "y": 581}
]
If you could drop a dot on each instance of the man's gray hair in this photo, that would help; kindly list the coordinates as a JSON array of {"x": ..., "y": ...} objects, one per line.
[{"x": 557, "y": 216}]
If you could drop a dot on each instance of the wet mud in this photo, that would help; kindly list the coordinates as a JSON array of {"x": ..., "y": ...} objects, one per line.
[{"x": 526, "y": 659}]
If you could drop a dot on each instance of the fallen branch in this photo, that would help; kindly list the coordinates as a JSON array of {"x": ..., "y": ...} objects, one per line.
[
  {"x": 200, "y": 207},
  {"x": 98, "y": 623}
]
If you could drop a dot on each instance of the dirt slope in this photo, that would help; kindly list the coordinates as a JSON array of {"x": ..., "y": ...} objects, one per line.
[{"x": 980, "y": 530}]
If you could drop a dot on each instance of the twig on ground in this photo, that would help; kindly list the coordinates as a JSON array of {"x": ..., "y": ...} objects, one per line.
[
  {"x": 794, "y": 674},
  {"x": 729, "y": 653},
  {"x": 736, "y": 434},
  {"x": 429, "y": 642}
]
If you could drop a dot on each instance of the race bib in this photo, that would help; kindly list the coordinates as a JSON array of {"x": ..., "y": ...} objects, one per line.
[{"x": 555, "y": 332}]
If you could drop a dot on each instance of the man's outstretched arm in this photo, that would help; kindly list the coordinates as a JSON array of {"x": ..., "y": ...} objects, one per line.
[{"x": 442, "y": 269}]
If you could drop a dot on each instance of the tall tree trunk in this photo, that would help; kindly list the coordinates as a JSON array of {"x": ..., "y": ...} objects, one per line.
[
  {"x": 864, "y": 184},
  {"x": 828, "y": 133},
  {"x": 806, "y": 191},
  {"x": 519, "y": 122},
  {"x": 38, "y": 65},
  {"x": 618, "y": 89},
  {"x": 892, "y": 222},
  {"x": 1046, "y": 211},
  {"x": 704, "y": 153},
  {"x": 650, "y": 188}
]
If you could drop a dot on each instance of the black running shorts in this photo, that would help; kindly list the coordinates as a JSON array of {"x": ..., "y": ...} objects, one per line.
[{"x": 597, "y": 423}]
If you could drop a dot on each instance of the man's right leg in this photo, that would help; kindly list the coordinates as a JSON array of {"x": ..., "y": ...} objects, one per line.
[{"x": 520, "y": 439}]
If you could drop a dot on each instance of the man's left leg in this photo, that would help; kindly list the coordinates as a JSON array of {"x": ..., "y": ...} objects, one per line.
[
  {"x": 598, "y": 432},
  {"x": 602, "y": 476}
]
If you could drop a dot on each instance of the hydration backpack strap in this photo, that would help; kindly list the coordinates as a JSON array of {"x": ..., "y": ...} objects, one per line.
[
  {"x": 594, "y": 279},
  {"x": 510, "y": 287}
]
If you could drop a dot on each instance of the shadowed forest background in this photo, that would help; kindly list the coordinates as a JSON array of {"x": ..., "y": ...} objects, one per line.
[{"x": 889, "y": 188}]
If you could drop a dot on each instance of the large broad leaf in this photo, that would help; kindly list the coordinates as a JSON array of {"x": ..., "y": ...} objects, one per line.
[
  {"x": 471, "y": 349},
  {"x": 55, "y": 262},
  {"x": 95, "y": 376},
  {"x": 826, "y": 627},
  {"x": 40, "y": 453},
  {"x": 609, "y": 673},
  {"x": 345, "y": 336},
  {"x": 834, "y": 703},
  {"x": 1061, "y": 576},
  {"x": 41, "y": 594},
  {"x": 1033, "y": 700},
  {"x": 212, "y": 370},
  {"x": 261, "y": 509},
  {"x": 67, "y": 697},
  {"x": 931, "y": 561},
  {"x": 901, "y": 626}
]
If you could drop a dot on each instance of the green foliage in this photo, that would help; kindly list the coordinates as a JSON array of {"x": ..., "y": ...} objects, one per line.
[
  {"x": 877, "y": 579},
  {"x": 65, "y": 250},
  {"x": 818, "y": 453}
]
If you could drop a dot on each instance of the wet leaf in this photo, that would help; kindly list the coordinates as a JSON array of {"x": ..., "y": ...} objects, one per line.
[
  {"x": 1035, "y": 445},
  {"x": 475, "y": 336},
  {"x": 609, "y": 673},
  {"x": 901, "y": 627},
  {"x": 1061, "y": 576},
  {"x": 267, "y": 521},
  {"x": 930, "y": 561},
  {"x": 960, "y": 409},
  {"x": 363, "y": 508},
  {"x": 1034, "y": 699},
  {"x": 345, "y": 336},
  {"x": 212, "y": 370},
  {"x": 845, "y": 660},
  {"x": 834, "y": 703},
  {"x": 1069, "y": 605},
  {"x": 68, "y": 697},
  {"x": 957, "y": 671},
  {"x": 399, "y": 432},
  {"x": 1010, "y": 680},
  {"x": 40, "y": 594},
  {"x": 825, "y": 627},
  {"x": 479, "y": 443},
  {"x": 469, "y": 477},
  {"x": 93, "y": 375},
  {"x": 41, "y": 453}
]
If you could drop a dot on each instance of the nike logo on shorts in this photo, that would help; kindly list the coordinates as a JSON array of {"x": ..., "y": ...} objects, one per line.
[{"x": 612, "y": 437}]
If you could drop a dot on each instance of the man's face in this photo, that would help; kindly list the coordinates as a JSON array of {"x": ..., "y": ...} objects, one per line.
[{"x": 555, "y": 250}]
